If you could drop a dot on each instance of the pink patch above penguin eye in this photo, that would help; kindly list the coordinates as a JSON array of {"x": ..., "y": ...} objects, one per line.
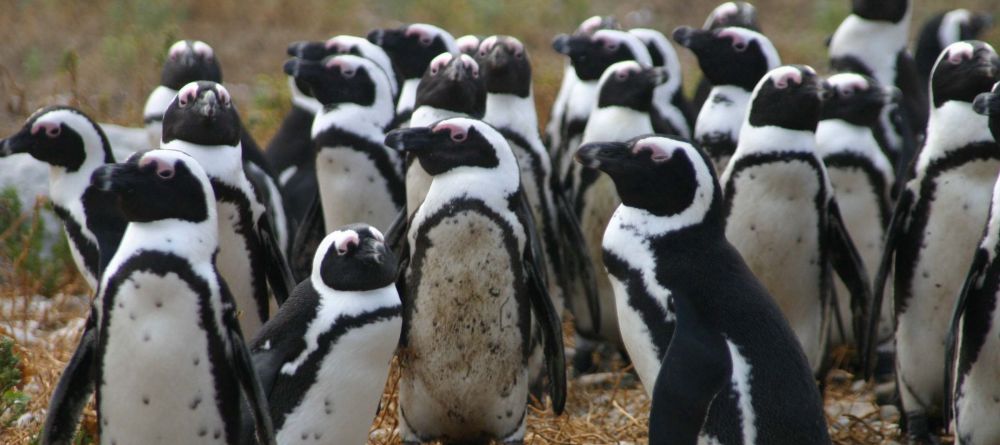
[
  {"x": 344, "y": 240},
  {"x": 163, "y": 168},
  {"x": 187, "y": 94},
  {"x": 51, "y": 129},
  {"x": 223, "y": 95},
  {"x": 656, "y": 153},
  {"x": 786, "y": 77},
  {"x": 622, "y": 75}
]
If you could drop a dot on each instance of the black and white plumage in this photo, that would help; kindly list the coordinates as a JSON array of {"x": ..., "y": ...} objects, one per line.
[
  {"x": 162, "y": 347},
  {"x": 468, "y": 44},
  {"x": 951, "y": 185},
  {"x": 942, "y": 30},
  {"x": 973, "y": 342},
  {"x": 359, "y": 178},
  {"x": 670, "y": 113},
  {"x": 473, "y": 279},
  {"x": 862, "y": 179},
  {"x": 726, "y": 15},
  {"x": 734, "y": 60},
  {"x": 412, "y": 48},
  {"x": 202, "y": 122},
  {"x": 74, "y": 146},
  {"x": 709, "y": 343},
  {"x": 187, "y": 61},
  {"x": 324, "y": 357},
  {"x": 781, "y": 212}
]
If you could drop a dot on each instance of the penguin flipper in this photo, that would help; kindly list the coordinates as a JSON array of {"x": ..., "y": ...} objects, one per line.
[
  {"x": 242, "y": 366},
  {"x": 900, "y": 216},
  {"x": 551, "y": 328},
  {"x": 279, "y": 276},
  {"x": 73, "y": 390},
  {"x": 976, "y": 272},
  {"x": 534, "y": 241},
  {"x": 395, "y": 236},
  {"x": 308, "y": 235},
  {"x": 695, "y": 368},
  {"x": 850, "y": 268},
  {"x": 581, "y": 257}
]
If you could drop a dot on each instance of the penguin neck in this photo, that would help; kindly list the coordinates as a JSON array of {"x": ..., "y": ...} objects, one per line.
[
  {"x": 157, "y": 103},
  {"x": 835, "y": 136},
  {"x": 647, "y": 225},
  {"x": 493, "y": 186},
  {"x": 196, "y": 241},
  {"x": 301, "y": 100},
  {"x": 426, "y": 115},
  {"x": 407, "y": 95},
  {"x": 352, "y": 303},
  {"x": 875, "y": 43},
  {"x": 353, "y": 118},
  {"x": 582, "y": 97},
  {"x": 772, "y": 139},
  {"x": 616, "y": 123},
  {"x": 951, "y": 126},
  {"x": 991, "y": 239},
  {"x": 221, "y": 162},
  {"x": 512, "y": 112},
  {"x": 724, "y": 111},
  {"x": 66, "y": 188}
]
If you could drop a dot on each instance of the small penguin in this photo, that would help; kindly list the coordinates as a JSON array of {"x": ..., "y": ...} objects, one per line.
[
  {"x": 451, "y": 87},
  {"x": 935, "y": 227},
  {"x": 733, "y": 60},
  {"x": 202, "y": 122},
  {"x": 872, "y": 41},
  {"x": 73, "y": 146},
  {"x": 186, "y": 62},
  {"x": 472, "y": 284},
  {"x": 411, "y": 48},
  {"x": 972, "y": 358},
  {"x": 359, "y": 178},
  {"x": 165, "y": 352},
  {"x": 942, "y": 30},
  {"x": 324, "y": 358},
  {"x": 861, "y": 176},
  {"x": 710, "y": 345},
  {"x": 726, "y": 15},
  {"x": 671, "y": 113},
  {"x": 781, "y": 212},
  {"x": 622, "y": 112}
]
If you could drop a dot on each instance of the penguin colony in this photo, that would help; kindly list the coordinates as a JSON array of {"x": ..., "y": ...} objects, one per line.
[{"x": 722, "y": 245}]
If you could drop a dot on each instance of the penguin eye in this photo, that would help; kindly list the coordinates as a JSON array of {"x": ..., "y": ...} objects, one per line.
[
  {"x": 425, "y": 41},
  {"x": 165, "y": 174},
  {"x": 740, "y": 46},
  {"x": 458, "y": 137},
  {"x": 348, "y": 73},
  {"x": 434, "y": 70},
  {"x": 847, "y": 92},
  {"x": 53, "y": 132},
  {"x": 475, "y": 72},
  {"x": 482, "y": 52},
  {"x": 519, "y": 55},
  {"x": 182, "y": 101},
  {"x": 611, "y": 46},
  {"x": 621, "y": 75}
]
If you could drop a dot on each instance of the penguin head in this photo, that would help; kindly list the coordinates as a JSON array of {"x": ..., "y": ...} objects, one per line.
[
  {"x": 354, "y": 258},
  {"x": 591, "y": 54},
  {"x": 468, "y": 44},
  {"x": 60, "y": 136},
  {"x": 789, "y": 97},
  {"x": 857, "y": 99},
  {"x": 342, "y": 79},
  {"x": 597, "y": 23},
  {"x": 344, "y": 44},
  {"x": 989, "y": 104},
  {"x": 451, "y": 144},
  {"x": 453, "y": 83},
  {"x": 412, "y": 47},
  {"x": 963, "y": 70},
  {"x": 730, "y": 56},
  {"x": 505, "y": 66},
  {"x": 738, "y": 14},
  {"x": 203, "y": 114},
  {"x": 156, "y": 185},
  {"x": 665, "y": 176},
  {"x": 629, "y": 84},
  {"x": 893, "y": 11},
  {"x": 189, "y": 61}
]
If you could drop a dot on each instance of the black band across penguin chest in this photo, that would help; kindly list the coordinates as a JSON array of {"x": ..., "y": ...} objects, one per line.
[
  {"x": 387, "y": 168},
  {"x": 876, "y": 179}
]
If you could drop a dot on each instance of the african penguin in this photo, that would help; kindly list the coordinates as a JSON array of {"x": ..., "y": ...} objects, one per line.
[
  {"x": 710, "y": 345},
  {"x": 781, "y": 213},
  {"x": 872, "y": 41},
  {"x": 621, "y": 112},
  {"x": 202, "y": 122},
  {"x": 451, "y": 87},
  {"x": 472, "y": 283},
  {"x": 942, "y": 30},
  {"x": 468, "y": 44},
  {"x": 411, "y": 49},
  {"x": 950, "y": 189},
  {"x": 324, "y": 357},
  {"x": 74, "y": 146},
  {"x": 733, "y": 60},
  {"x": 359, "y": 178},
  {"x": 169, "y": 356},
  {"x": 671, "y": 113},
  {"x": 591, "y": 55},
  {"x": 726, "y": 15},
  {"x": 861, "y": 176},
  {"x": 974, "y": 343},
  {"x": 187, "y": 61}
]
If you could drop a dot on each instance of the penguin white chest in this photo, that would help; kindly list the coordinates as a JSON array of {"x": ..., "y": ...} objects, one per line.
[
  {"x": 977, "y": 398},
  {"x": 235, "y": 265},
  {"x": 352, "y": 189},
  {"x": 463, "y": 368},
  {"x": 158, "y": 385}
]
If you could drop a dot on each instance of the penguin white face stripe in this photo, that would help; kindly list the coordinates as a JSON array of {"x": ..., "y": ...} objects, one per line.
[
  {"x": 614, "y": 38},
  {"x": 951, "y": 26},
  {"x": 343, "y": 240},
  {"x": 202, "y": 49}
]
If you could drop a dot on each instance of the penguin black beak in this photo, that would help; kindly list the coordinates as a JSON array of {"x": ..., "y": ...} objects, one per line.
[
  {"x": 602, "y": 155},
  {"x": 891, "y": 95},
  {"x": 374, "y": 251},
  {"x": 304, "y": 69},
  {"x": 114, "y": 178},
  {"x": 657, "y": 76},
  {"x": 386, "y": 38},
  {"x": 455, "y": 70},
  {"x": 376, "y": 36},
  {"x": 308, "y": 50},
  {"x": 561, "y": 44},
  {"x": 207, "y": 105},
  {"x": 415, "y": 139},
  {"x": 686, "y": 36},
  {"x": 986, "y": 104},
  {"x": 20, "y": 142},
  {"x": 825, "y": 90}
]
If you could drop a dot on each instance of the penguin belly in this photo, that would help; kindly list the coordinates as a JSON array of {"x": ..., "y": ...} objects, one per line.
[
  {"x": 638, "y": 340},
  {"x": 775, "y": 224},
  {"x": 338, "y": 407},
  {"x": 157, "y": 374},
  {"x": 235, "y": 263},
  {"x": 599, "y": 202},
  {"x": 976, "y": 406},
  {"x": 464, "y": 375},
  {"x": 353, "y": 190},
  {"x": 957, "y": 213}
]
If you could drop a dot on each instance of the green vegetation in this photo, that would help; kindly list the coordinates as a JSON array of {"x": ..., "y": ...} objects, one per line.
[
  {"x": 29, "y": 261},
  {"x": 13, "y": 403}
]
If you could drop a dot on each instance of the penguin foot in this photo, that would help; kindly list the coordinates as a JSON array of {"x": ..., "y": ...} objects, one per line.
[{"x": 918, "y": 430}]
